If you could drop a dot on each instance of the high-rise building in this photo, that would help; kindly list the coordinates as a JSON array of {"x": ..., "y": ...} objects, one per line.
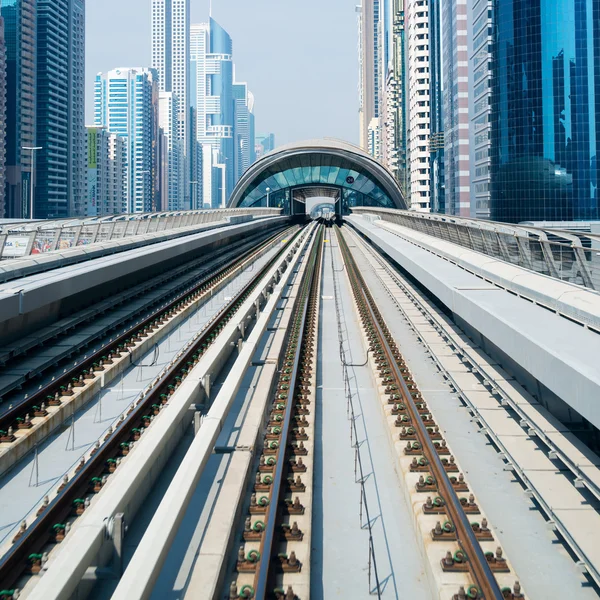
[
  {"x": 480, "y": 107},
  {"x": 171, "y": 59},
  {"x": 161, "y": 194},
  {"x": 418, "y": 131},
  {"x": 455, "y": 65},
  {"x": 20, "y": 24},
  {"x": 265, "y": 143},
  {"x": 171, "y": 53},
  {"x": 212, "y": 97},
  {"x": 126, "y": 103},
  {"x": 168, "y": 121},
  {"x": 2, "y": 117},
  {"x": 436, "y": 110},
  {"x": 545, "y": 110},
  {"x": 106, "y": 172},
  {"x": 60, "y": 165},
  {"x": 244, "y": 153},
  {"x": 373, "y": 66},
  {"x": 194, "y": 161},
  {"x": 393, "y": 134}
]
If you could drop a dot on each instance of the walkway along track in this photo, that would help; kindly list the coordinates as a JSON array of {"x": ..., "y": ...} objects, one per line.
[
  {"x": 275, "y": 549},
  {"x": 430, "y": 454},
  {"x": 33, "y": 413},
  {"x": 28, "y": 553}
]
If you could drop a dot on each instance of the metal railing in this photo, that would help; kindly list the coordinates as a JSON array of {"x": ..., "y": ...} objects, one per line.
[
  {"x": 39, "y": 237},
  {"x": 570, "y": 256}
]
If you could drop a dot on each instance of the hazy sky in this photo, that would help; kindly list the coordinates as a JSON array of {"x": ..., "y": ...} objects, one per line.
[{"x": 299, "y": 57}]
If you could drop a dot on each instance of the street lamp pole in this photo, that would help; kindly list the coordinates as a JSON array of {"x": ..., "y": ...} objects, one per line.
[
  {"x": 32, "y": 149},
  {"x": 268, "y": 191}
]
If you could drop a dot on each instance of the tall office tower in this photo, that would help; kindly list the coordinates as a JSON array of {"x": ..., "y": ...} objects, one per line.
[
  {"x": 436, "y": 109},
  {"x": 265, "y": 143},
  {"x": 417, "y": 32},
  {"x": 161, "y": 192},
  {"x": 126, "y": 103},
  {"x": 106, "y": 167},
  {"x": 480, "y": 108},
  {"x": 194, "y": 161},
  {"x": 168, "y": 121},
  {"x": 2, "y": 118},
  {"x": 20, "y": 23},
  {"x": 546, "y": 120},
  {"x": 373, "y": 62},
  {"x": 60, "y": 164},
  {"x": 244, "y": 153},
  {"x": 455, "y": 66},
  {"x": 171, "y": 57},
  {"x": 393, "y": 133},
  {"x": 212, "y": 74}
]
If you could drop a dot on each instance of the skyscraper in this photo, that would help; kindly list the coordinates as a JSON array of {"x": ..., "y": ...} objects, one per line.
[
  {"x": 60, "y": 165},
  {"x": 394, "y": 115},
  {"x": 20, "y": 23},
  {"x": 126, "y": 103},
  {"x": 455, "y": 65},
  {"x": 212, "y": 68},
  {"x": 168, "y": 121},
  {"x": 171, "y": 53},
  {"x": 372, "y": 60},
  {"x": 2, "y": 117},
  {"x": 436, "y": 109},
  {"x": 171, "y": 59},
  {"x": 265, "y": 142},
  {"x": 480, "y": 80},
  {"x": 244, "y": 153},
  {"x": 417, "y": 32},
  {"x": 106, "y": 171},
  {"x": 545, "y": 110}
]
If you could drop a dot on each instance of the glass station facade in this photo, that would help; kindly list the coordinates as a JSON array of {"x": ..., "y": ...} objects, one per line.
[
  {"x": 357, "y": 186},
  {"x": 545, "y": 111}
]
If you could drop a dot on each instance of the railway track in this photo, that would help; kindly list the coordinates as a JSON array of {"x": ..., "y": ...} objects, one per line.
[
  {"x": 30, "y": 547},
  {"x": 430, "y": 457},
  {"x": 273, "y": 560},
  {"x": 32, "y": 409}
]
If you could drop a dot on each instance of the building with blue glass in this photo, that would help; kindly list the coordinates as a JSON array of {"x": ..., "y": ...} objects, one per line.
[
  {"x": 20, "y": 23},
  {"x": 213, "y": 99},
  {"x": 60, "y": 165},
  {"x": 126, "y": 103},
  {"x": 545, "y": 110}
]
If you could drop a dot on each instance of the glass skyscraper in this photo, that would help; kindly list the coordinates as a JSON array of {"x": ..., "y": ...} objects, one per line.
[
  {"x": 545, "y": 110},
  {"x": 126, "y": 103},
  {"x": 20, "y": 22},
  {"x": 60, "y": 165},
  {"x": 212, "y": 98}
]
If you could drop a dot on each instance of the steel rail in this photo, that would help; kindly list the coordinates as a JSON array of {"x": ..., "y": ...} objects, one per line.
[
  {"x": 24, "y": 407},
  {"x": 476, "y": 560},
  {"x": 266, "y": 546},
  {"x": 443, "y": 331},
  {"x": 14, "y": 562}
]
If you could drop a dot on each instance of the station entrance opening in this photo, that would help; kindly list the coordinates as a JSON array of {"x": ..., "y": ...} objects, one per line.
[{"x": 336, "y": 172}]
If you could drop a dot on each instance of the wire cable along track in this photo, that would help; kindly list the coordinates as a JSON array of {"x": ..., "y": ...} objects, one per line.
[
  {"x": 430, "y": 454},
  {"x": 270, "y": 555},
  {"x": 28, "y": 552}
]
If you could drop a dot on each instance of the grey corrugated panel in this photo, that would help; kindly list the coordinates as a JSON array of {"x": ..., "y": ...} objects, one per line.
[{"x": 559, "y": 353}]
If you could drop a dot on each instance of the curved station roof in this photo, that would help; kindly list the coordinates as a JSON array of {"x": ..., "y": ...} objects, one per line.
[{"x": 323, "y": 164}]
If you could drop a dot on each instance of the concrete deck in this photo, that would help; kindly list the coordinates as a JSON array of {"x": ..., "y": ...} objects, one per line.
[{"x": 340, "y": 545}]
